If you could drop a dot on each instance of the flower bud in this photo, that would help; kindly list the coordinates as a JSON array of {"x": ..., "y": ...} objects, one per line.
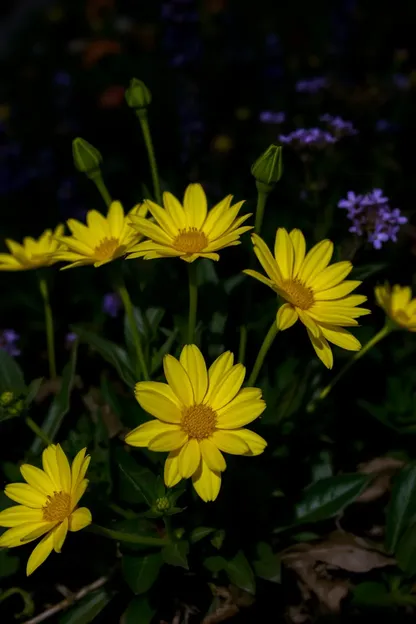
[
  {"x": 162, "y": 504},
  {"x": 6, "y": 398},
  {"x": 138, "y": 95},
  {"x": 87, "y": 158},
  {"x": 268, "y": 167}
]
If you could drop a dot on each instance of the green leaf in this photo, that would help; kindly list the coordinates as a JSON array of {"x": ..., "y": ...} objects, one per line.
[
  {"x": 366, "y": 270},
  {"x": 112, "y": 353},
  {"x": 240, "y": 573},
  {"x": 406, "y": 550},
  {"x": 215, "y": 564},
  {"x": 176, "y": 554},
  {"x": 199, "y": 533},
  {"x": 268, "y": 565},
  {"x": 142, "y": 571},
  {"x": 139, "y": 611},
  {"x": 9, "y": 564},
  {"x": 32, "y": 390},
  {"x": 137, "y": 484},
  {"x": 59, "y": 406},
  {"x": 402, "y": 507},
  {"x": 371, "y": 594},
  {"x": 87, "y": 609},
  {"x": 326, "y": 498},
  {"x": 157, "y": 357},
  {"x": 11, "y": 375},
  {"x": 218, "y": 538}
]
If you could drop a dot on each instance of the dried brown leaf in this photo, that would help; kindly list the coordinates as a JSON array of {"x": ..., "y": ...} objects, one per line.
[{"x": 383, "y": 469}]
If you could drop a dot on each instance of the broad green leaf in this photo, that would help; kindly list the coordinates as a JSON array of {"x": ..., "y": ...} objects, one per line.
[
  {"x": 240, "y": 573},
  {"x": 32, "y": 390},
  {"x": 142, "y": 571},
  {"x": 11, "y": 375},
  {"x": 402, "y": 507},
  {"x": 139, "y": 611},
  {"x": 405, "y": 550},
  {"x": 218, "y": 538},
  {"x": 176, "y": 554},
  {"x": 268, "y": 565},
  {"x": 326, "y": 498},
  {"x": 199, "y": 533},
  {"x": 215, "y": 564},
  {"x": 371, "y": 594},
  {"x": 60, "y": 404},
  {"x": 87, "y": 609},
  {"x": 112, "y": 353},
  {"x": 137, "y": 484}
]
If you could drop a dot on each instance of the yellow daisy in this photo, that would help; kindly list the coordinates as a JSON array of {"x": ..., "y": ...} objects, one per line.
[
  {"x": 47, "y": 504},
  {"x": 198, "y": 414},
  {"x": 315, "y": 293},
  {"x": 33, "y": 254},
  {"x": 189, "y": 231},
  {"x": 103, "y": 239},
  {"x": 398, "y": 304}
]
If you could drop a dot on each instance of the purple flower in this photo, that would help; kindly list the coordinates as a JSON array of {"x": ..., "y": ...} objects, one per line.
[
  {"x": 308, "y": 138},
  {"x": 272, "y": 118},
  {"x": 70, "y": 339},
  {"x": 401, "y": 82},
  {"x": 339, "y": 126},
  {"x": 311, "y": 85},
  {"x": 8, "y": 339},
  {"x": 370, "y": 214},
  {"x": 112, "y": 304}
]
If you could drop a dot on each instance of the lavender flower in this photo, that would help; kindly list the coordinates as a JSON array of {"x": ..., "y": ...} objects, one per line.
[
  {"x": 272, "y": 118},
  {"x": 371, "y": 215},
  {"x": 8, "y": 339},
  {"x": 112, "y": 304},
  {"x": 308, "y": 138},
  {"x": 70, "y": 339},
  {"x": 338, "y": 126},
  {"x": 311, "y": 85}
]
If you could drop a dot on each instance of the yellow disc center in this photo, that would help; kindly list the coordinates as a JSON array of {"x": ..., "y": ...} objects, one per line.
[
  {"x": 297, "y": 294},
  {"x": 57, "y": 508},
  {"x": 107, "y": 248},
  {"x": 199, "y": 421},
  {"x": 190, "y": 241}
]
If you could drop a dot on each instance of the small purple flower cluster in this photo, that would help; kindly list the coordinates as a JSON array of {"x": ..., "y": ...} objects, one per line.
[
  {"x": 112, "y": 304},
  {"x": 311, "y": 85},
  {"x": 8, "y": 339},
  {"x": 338, "y": 126},
  {"x": 308, "y": 137},
  {"x": 272, "y": 117},
  {"x": 370, "y": 214}
]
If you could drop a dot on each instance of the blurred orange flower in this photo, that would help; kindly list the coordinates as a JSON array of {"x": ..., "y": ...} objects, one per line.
[
  {"x": 112, "y": 97},
  {"x": 96, "y": 50}
]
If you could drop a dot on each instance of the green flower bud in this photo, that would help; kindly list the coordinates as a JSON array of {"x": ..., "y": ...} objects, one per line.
[
  {"x": 138, "y": 95},
  {"x": 162, "y": 504},
  {"x": 268, "y": 168},
  {"x": 87, "y": 158},
  {"x": 179, "y": 533},
  {"x": 6, "y": 398}
]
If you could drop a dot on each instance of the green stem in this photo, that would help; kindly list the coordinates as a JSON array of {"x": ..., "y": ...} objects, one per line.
[
  {"x": 100, "y": 184},
  {"x": 128, "y": 514},
  {"x": 131, "y": 538},
  {"x": 27, "y": 600},
  {"x": 262, "y": 196},
  {"x": 359, "y": 354},
  {"x": 243, "y": 344},
  {"x": 43, "y": 287},
  {"x": 267, "y": 343},
  {"x": 144, "y": 123},
  {"x": 141, "y": 362},
  {"x": 193, "y": 302},
  {"x": 38, "y": 431}
]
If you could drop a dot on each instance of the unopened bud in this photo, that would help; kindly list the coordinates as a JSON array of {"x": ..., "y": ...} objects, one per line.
[
  {"x": 268, "y": 167},
  {"x": 87, "y": 158},
  {"x": 162, "y": 504},
  {"x": 6, "y": 398},
  {"x": 138, "y": 95}
]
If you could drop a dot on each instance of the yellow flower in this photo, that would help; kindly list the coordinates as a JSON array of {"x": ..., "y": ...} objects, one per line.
[
  {"x": 398, "y": 304},
  {"x": 47, "y": 504},
  {"x": 198, "y": 414},
  {"x": 189, "y": 231},
  {"x": 102, "y": 240},
  {"x": 33, "y": 254},
  {"x": 315, "y": 293}
]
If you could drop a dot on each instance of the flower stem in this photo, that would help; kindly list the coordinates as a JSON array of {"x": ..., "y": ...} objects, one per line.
[
  {"x": 144, "y": 123},
  {"x": 43, "y": 287},
  {"x": 193, "y": 301},
  {"x": 100, "y": 184},
  {"x": 131, "y": 538},
  {"x": 38, "y": 431},
  {"x": 359, "y": 354},
  {"x": 267, "y": 343},
  {"x": 141, "y": 362},
  {"x": 262, "y": 196}
]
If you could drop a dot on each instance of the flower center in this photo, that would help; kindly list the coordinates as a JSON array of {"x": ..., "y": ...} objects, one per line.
[
  {"x": 198, "y": 421},
  {"x": 297, "y": 294},
  {"x": 57, "y": 508},
  {"x": 190, "y": 241},
  {"x": 106, "y": 248}
]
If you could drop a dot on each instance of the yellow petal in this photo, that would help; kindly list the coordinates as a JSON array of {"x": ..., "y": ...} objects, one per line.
[
  {"x": 215, "y": 213},
  {"x": 19, "y": 514},
  {"x": 115, "y": 218},
  {"x": 64, "y": 469},
  {"x": 79, "y": 492},
  {"x": 206, "y": 482},
  {"x": 178, "y": 380},
  {"x": 336, "y": 292},
  {"x": 216, "y": 372},
  {"x": 315, "y": 261},
  {"x": 266, "y": 259},
  {"x": 258, "y": 276},
  {"x": 299, "y": 246},
  {"x": 82, "y": 233},
  {"x": 322, "y": 350},
  {"x": 163, "y": 219},
  {"x": 341, "y": 337},
  {"x": 79, "y": 519},
  {"x": 212, "y": 455},
  {"x": 98, "y": 223},
  {"x": 175, "y": 210},
  {"x": 24, "y": 533},
  {"x": 159, "y": 400},
  {"x": 256, "y": 443},
  {"x": 243, "y": 409},
  {"x": 50, "y": 465},
  {"x": 229, "y": 239},
  {"x": 228, "y": 387},
  {"x": 189, "y": 458},
  {"x": 40, "y": 553},
  {"x": 286, "y": 316},
  {"x": 150, "y": 230},
  {"x": 59, "y": 535},
  {"x": 230, "y": 442},
  {"x": 193, "y": 362},
  {"x": 25, "y": 495},
  {"x": 77, "y": 465},
  {"x": 195, "y": 205},
  {"x": 331, "y": 276},
  {"x": 284, "y": 253},
  {"x": 400, "y": 297},
  {"x": 168, "y": 441},
  {"x": 224, "y": 222},
  {"x": 37, "y": 478},
  {"x": 171, "y": 472},
  {"x": 142, "y": 435},
  {"x": 332, "y": 317}
]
